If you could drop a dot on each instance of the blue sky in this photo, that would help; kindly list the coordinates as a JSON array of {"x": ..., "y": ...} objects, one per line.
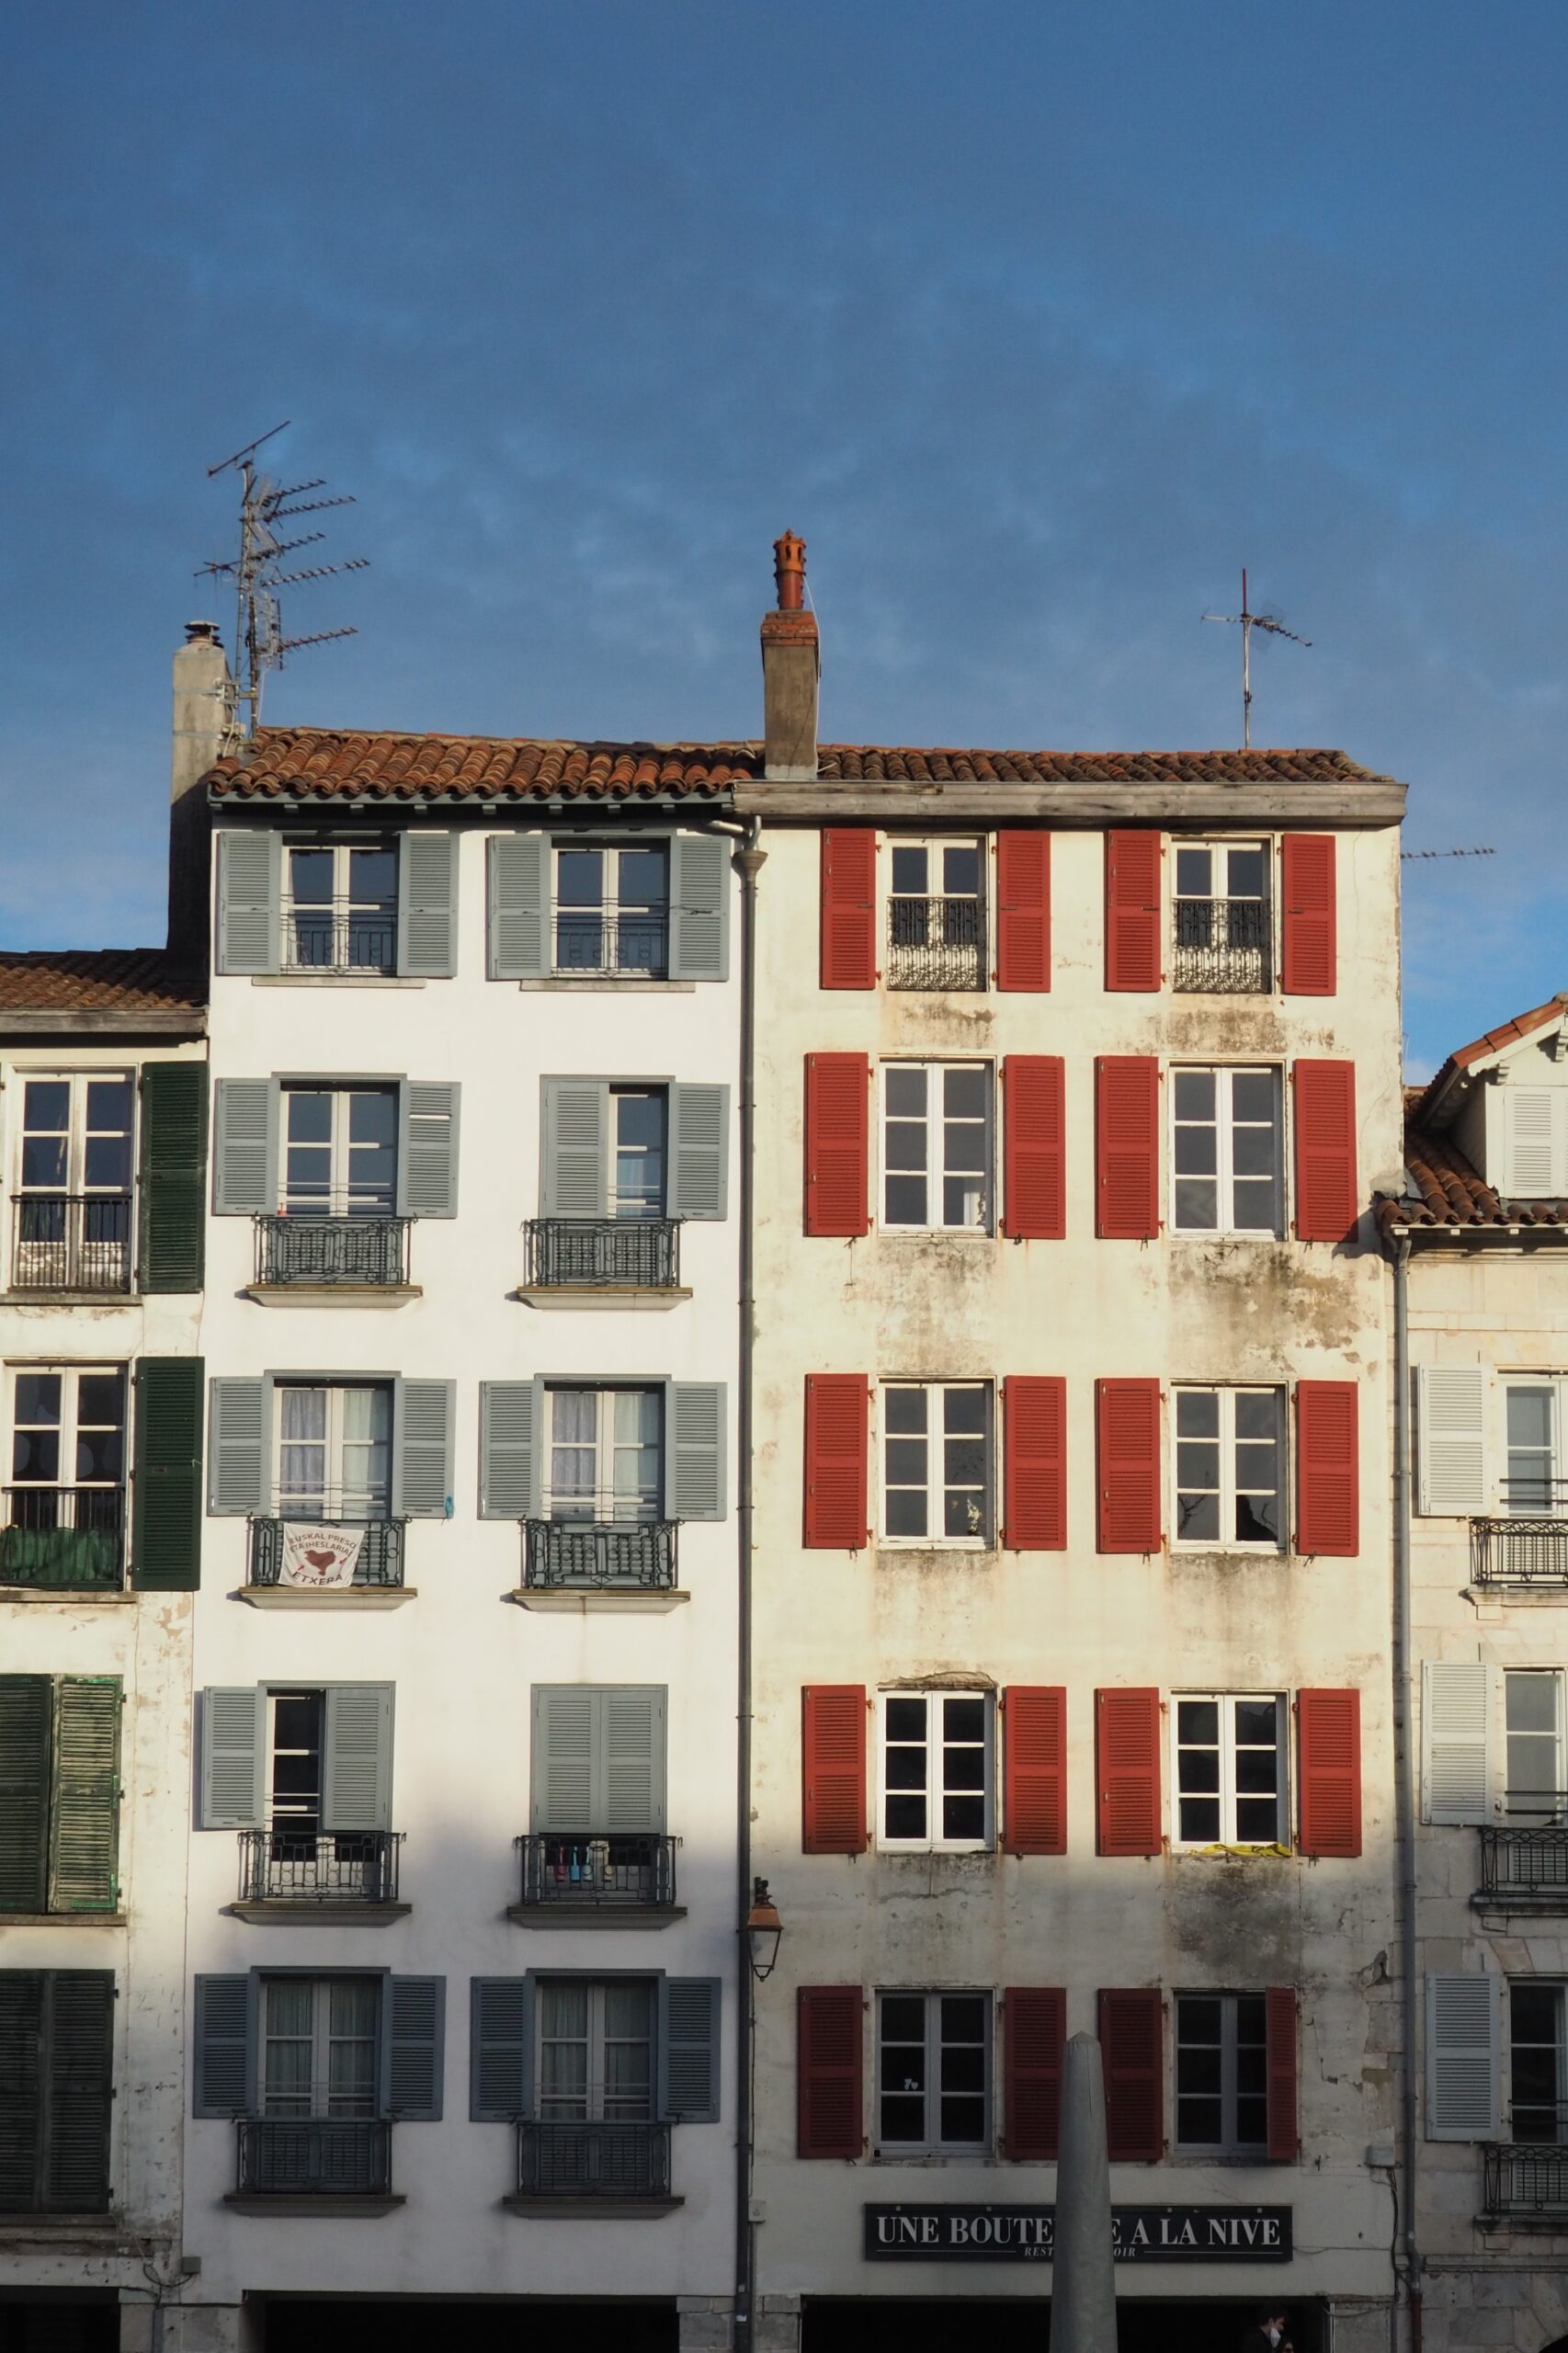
[{"x": 1038, "y": 320}]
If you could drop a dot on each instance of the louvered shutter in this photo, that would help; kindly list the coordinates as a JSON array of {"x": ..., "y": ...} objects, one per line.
[
  {"x": 1132, "y": 911},
  {"x": 517, "y": 875},
  {"x": 830, "y": 2030},
  {"x": 357, "y": 1757},
  {"x": 1023, "y": 911},
  {"x": 1034, "y": 1462},
  {"x": 1535, "y": 1142},
  {"x": 414, "y": 2048},
  {"x": 699, "y": 1151},
  {"x": 1034, "y": 1749},
  {"x": 848, "y": 908},
  {"x": 1127, "y": 1771},
  {"x": 1328, "y": 1737},
  {"x": 1034, "y": 1147},
  {"x": 1127, "y": 1147},
  {"x": 837, "y": 1443},
  {"x": 1280, "y": 2030},
  {"x": 1459, "y": 1718},
  {"x": 173, "y": 1182},
  {"x": 427, "y": 1149},
  {"x": 1327, "y": 1469},
  {"x": 693, "y": 1450},
  {"x": 249, "y": 866},
  {"x": 574, "y": 1161},
  {"x": 1450, "y": 1425},
  {"x": 234, "y": 1757},
  {"x": 833, "y": 1768},
  {"x": 427, "y": 905},
  {"x": 699, "y": 907},
  {"x": 223, "y": 2056},
  {"x": 837, "y": 1143},
  {"x": 21, "y": 2087},
  {"x": 1307, "y": 933},
  {"x": 1034, "y": 2041},
  {"x": 1132, "y": 2028},
  {"x": 79, "y": 2062},
  {"x": 1327, "y": 1205},
  {"x": 598, "y": 1759},
  {"x": 501, "y": 2044},
  {"x": 566, "y": 1741},
  {"x": 422, "y": 1461},
  {"x": 1127, "y": 1421},
  {"x": 84, "y": 1843},
  {"x": 1464, "y": 2072},
  {"x": 25, "y": 1729},
  {"x": 633, "y": 1767},
  {"x": 689, "y": 2013},
  {"x": 238, "y": 1471},
  {"x": 165, "y": 1523},
  {"x": 244, "y": 1149},
  {"x": 509, "y": 1440}
]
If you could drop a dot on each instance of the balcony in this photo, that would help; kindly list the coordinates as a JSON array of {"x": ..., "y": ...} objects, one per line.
[
  {"x": 602, "y": 1254},
  {"x": 356, "y": 1564},
  {"x": 1528, "y": 2178},
  {"x": 337, "y": 935},
  {"x": 64, "y": 1540},
  {"x": 935, "y": 944},
  {"x": 593, "y": 2168},
  {"x": 322, "y": 1261},
  {"x": 1527, "y": 1544},
  {"x": 71, "y": 1242},
  {"x": 335, "y": 1876},
  {"x": 1525, "y": 1870},
  {"x": 315, "y": 2165},
  {"x": 1222, "y": 947},
  {"x": 630, "y": 1556},
  {"x": 591, "y": 1879},
  {"x": 611, "y": 943}
]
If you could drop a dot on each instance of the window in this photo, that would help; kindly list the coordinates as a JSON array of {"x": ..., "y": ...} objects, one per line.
[
  {"x": 1222, "y": 2084},
  {"x": 1537, "y": 2068},
  {"x": 1225, "y": 1156},
  {"x": 59, "y": 1793},
  {"x": 1229, "y": 1770},
  {"x": 937, "y": 1776},
  {"x": 596, "y": 2050},
  {"x": 319, "y": 2037},
  {"x": 57, "y": 2067},
  {"x": 1532, "y": 1705},
  {"x": 936, "y": 1462},
  {"x": 1534, "y": 1488},
  {"x": 1228, "y": 1467},
  {"x": 333, "y": 1451},
  {"x": 68, "y": 1459},
  {"x": 339, "y": 1152},
  {"x": 340, "y": 908},
  {"x": 636, "y": 1180},
  {"x": 1535, "y": 1142},
  {"x": 74, "y": 1183},
  {"x": 606, "y": 1460},
  {"x": 933, "y": 2073},
  {"x": 612, "y": 911},
  {"x": 936, "y": 1145},
  {"x": 936, "y": 915},
  {"x": 1219, "y": 907}
]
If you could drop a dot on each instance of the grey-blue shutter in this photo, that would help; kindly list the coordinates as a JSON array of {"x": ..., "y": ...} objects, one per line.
[
  {"x": 427, "y": 905},
  {"x": 224, "y": 2059},
  {"x": 699, "y": 907},
  {"x": 414, "y": 2020},
  {"x": 693, "y": 1450},
  {"x": 249, "y": 868},
  {"x": 239, "y": 1473},
  {"x": 698, "y": 1182},
  {"x": 510, "y": 1415},
  {"x": 427, "y": 1149},
  {"x": 501, "y": 2049},
  {"x": 244, "y": 1149},
  {"x": 518, "y": 877},
  {"x": 567, "y": 1748},
  {"x": 233, "y": 1755},
  {"x": 689, "y": 2011},
  {"x": 421, "y": 1463},
  {"x": 632, "y": 1717},
  {"x": 574, "y": 1150},
  {"x": 357, "y": 1757}
]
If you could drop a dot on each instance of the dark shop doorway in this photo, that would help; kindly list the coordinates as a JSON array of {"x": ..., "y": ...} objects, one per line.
[
  {"x": 417, "y": 2323},
  {"x": 59, "y": 2323},
  {"x": 1019, "y": 2324}
]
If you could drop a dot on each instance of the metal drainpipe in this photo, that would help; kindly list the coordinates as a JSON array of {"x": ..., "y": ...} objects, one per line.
[
  {"x": 1404, "y": 1780},
  {"x": 749, "y": 860}
]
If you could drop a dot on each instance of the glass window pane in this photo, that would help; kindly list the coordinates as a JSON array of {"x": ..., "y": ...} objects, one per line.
[
  {"x": 1197, "y": 1413},
  {"x": 1257, "y": 1413},
  {"x": 903, "y": 2019},
  {"x": 46, "y": 1106},
  {"x": 309, "y": 877},
  {"x": 43, "y": 1162},
  {"x": 1194, "y": 1094},
  {"x": 372, "y": 878},
  {"x": 1254, "y": 1206},
  {"x": 906, "y": 1462},
  {"x": 1244, "y": 879},
  {"x": 903, "y": 1410},
  {"x": 1200, "y": 1821},
  {"x": 905, "y": 1143},
  {"x": 1196, "y": 1151},
  {"x": 1531, "y": 1702},
  {"x": 641, "y": 881},
  {"x": 963, "y": 1093},
  {"x": 906, "y": 1512},
  {"x": 907, "y": 1093},
  {"x": 1530, "y": 1418},
  {"x": 1251, "y": 1151},
  {"x": 909, "y": 871},
  {"x": 906, "y": 1200},
  {"x": 1193, "y": 871},
  {"x": 963, "y": 1410},
  {"x": 579, "y": 878},
  {"x": 1252, "y": 1096},
  {"x": 961, "y": 871},
  {"x": 1196, "y": 1205},
  {"x": 906, "y": 1719},
  {"x": 1256, "y": 1719},
  {"x": 1197, "y": 1720}
]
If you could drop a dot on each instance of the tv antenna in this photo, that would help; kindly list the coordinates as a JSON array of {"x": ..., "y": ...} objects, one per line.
[
  {"x": 259, "y": 642},
  {"x": 1247, "y": 621},
  {"x": 1406, "y": 855}
]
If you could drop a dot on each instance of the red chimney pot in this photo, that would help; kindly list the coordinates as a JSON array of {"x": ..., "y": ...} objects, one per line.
[{"x": 789, "y": 572}]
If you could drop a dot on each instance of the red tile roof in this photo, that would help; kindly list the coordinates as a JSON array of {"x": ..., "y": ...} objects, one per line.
[
  {"x": 1495, "y": 1042},
  {"x": 97, "y": 980},
  {"x": 1450, "y": 1193}
]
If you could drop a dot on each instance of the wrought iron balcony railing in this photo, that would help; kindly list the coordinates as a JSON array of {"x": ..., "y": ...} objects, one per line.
[
  {"x": 334, "y": 935},
  {"x": 634, "y": 1871},
  {"x": 1527, "y": 1543},
  {"x": 1526, "y": 1862},
  {"x": 325, "y": 2156},
  {"x": 574, "y": 1552},
  {"x": 634, "y": 942},
  {"x": 379, "y": 1561},
  {"x": 593, "y": 2160},
  {"x": 1530, "y": 2175},
  {"x": 71, "y": 1242},
  {"x": 1221, "y": 946},
  {"x": 284, "y": 1865},
  {"x": 601, "y": 1253},
  {"x": 298, "y": 1248},
  {"x": 64, "y": 1537},
  {"x": 935, "y": 944}
]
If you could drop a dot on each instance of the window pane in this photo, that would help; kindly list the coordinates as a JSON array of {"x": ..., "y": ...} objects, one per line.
[
  {"x": 963, "y": 1093},
  {"x": 44, "y": 1163},
  {"x": 1530, "y": 1418},
  {"x": 1197, "y": 1720},
  {"x": 640, "y": 882},
  {"x": 1196, "y": 1151},
  {"x": 1244, "y": 879},
  {"x": 1252, "y": 1096},
  {"x": 961, "y": 871},
  {"x": 903, "y": 1410},
  {"x": 1256, "y": 1719},
  {"x": 1196, "y": 1205},
  {"x": 906, "y": 1200},
  {"x": 372, "y": 878},
  {"x": 909, "y": 871},
  {"x": 579, "y": 878},
  {"x": 906, "y": 1512},
  {"x": 906, "y": 1463},
  {"x": 1193, "y": 871},
  {"x": 1197, "y": 1413},
  {"x": 903, "y": 2019},
  {"x": 1194, "y": 1094},
  {"x": 309, "y": 877},
  {"x": 905, "y": 1143},
  {"x": 907, "y": 1093}
]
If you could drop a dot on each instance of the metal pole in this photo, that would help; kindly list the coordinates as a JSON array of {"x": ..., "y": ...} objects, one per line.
[
  {"x": 1083, "y": 2265},
  {"x": 749, "y": 860},
  {"x": 1247, "y": 667},
  {"x": 1405, "y": 1778}
]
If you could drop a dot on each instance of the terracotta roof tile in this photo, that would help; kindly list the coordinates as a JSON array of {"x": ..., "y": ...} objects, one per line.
[
  {"x": 1495, "y": 1042},
  {"x": 1450, "y": 1193},
  {"x": 97, "y": 980}
]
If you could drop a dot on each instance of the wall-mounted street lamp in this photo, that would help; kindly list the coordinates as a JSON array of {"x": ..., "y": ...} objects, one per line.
[{"x": 764, "y": 1929}]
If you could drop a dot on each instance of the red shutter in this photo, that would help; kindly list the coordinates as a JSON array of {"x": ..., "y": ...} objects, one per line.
[
  {"x": 1132, "y": 911},
  {"x": 1127, "y": 1147},
  {"x": 1034, "y": 1746},
  {"x": 1127, "y": 1418},
  {"x": 1328, "y": 1742},
  {"x": 1023, "y": 911},
  {"x": 1284, "y": 2134},
  {"x": 1034, "y": 1147},
  {"x": 1034, "y": 2038},
  {"x": 1126, "y": 1772},
  {"x": 1034, "y": 1462},
  {"x": 1307, "y": 954},
  {"x": 1327, "y": 1469},
  {"x": 838, "y": 1098},
  {"x": 833, "y": 1768},
  {"x": 1327, "y": 1202},
  {"x": 831, "y": 2110},
  {"x": 849, "y": 908},
  {"x": 838, "y": 1438},
  {"x": 1133, "y": 2056}
]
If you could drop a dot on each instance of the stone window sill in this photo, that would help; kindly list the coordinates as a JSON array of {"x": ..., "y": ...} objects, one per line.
[
  {"x": 335, "y": 2209},
  {"x": 83, "y": 1596},
  {"x": 653, "y": 1601},
  {"x": 625, "y": 1299},
  {"x": 62, "y": 1920},
  {"x": 614, "y": 988},
  {"x": 329, "y": 1597},
  {"x": 619, "y": 2210},
  {"x": 334, "y": 981},
  {"x": 278, "y": 1911},
  {"x": 332, "y": 1294},
  {"x": 594, "y": 1915}
]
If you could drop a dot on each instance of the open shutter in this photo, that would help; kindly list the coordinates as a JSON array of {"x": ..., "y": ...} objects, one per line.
[
  {"x": 1131, "y": 2029},
  {"x": 1464, "y": 2072},
  {"x": 567, "y": 1775},
  {"x": 830, "y": 2101},
  {"x": 357, "y": 1757},
  {"x": 422, "y": 1467},
  {"x": 249, "y": 866},
  {"x": 244, "y": 1150},
  {"x": 84, "y": 1843},
  {"x": 699, "y": 1151},
  {"x": 574, "y": 1158},
  {"x": 234, "y": 1754},
  {"x": 166, "y": 1526},
  {"x": 1280, "y": 2030},
  {"x": 1034, "y": 2041},
  {"x": 690, "y": 2012},
  {"x": 1034, "y": 1746},
  {"x": 80, "y": 2070},
  {"x": 633, "y": 1769},
  {"x": 1127, "y": 1147},
  {"x": 833, "y": 1768},
  {"x": 21, "y": 2073},
  {"x": 693, "y": 1450},
  {"x": 849, "y": 907},
  {"x": 1327, "y": 1469},
  {"x": 1307, "y": 932},
  {"x": 1034, "y": 1462},
  {"x": 1127, "y": 1422},
  {"x": 1132, "y": 911},
  {"x": 238, "y": 1473},
  {"x": 500, "y": 2049},
  {"x": 427, "y": 1149},
  {"x": 1450, "y": 1440},
  {"x": 699, "y": 907},
  {"x": 1328, "y": 1737},
  {"x": 1459, "y": 1715},
  {"x": 1034, "y": 1147},
  {"x": 427, "y": 905},
  {"x": 1127, "y": 1771},
  {"x": 173, "y": 1182},
  {"x": 839, "y": 1110},
  {"x": 223, "y": 2068},
  {"x": 519, "y": 892},
  {"x": 508, "y": 1449},
  {"x": 838, "y": 1438},
  {"x": 26, "y": 1713},
  {"x": 1023, "y": 911},
  {"x": 1327, "y": 1204},
  {"x": 414, "y": 2048}
]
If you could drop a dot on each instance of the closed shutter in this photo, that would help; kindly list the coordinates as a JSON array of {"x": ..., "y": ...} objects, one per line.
[
  {"x": 500, "y": 2049},
  {"x": 1450, "y": 1440},
  {"x": 413, "y": 2049},
  {"x": 26, "y": 1727},
  {"x": 357, "y": 1757},
  {"x": 1023, "y": 911},
  {"x": 848, "y": 908},
  {"x": 249, "y": 866},
  {"x": 833, "y": 1768},
  {"x": 598, "y": 1759},
  {"x": 831, "y": 2100},
  {"x": 166, "y": 1525},
  {"x": 422, "y": 1466},
  {"x": 1459, "y": 1716},
  {"x": 244, "y": 1148},
  {"x": 1126, "y": 1422},
  {"x": 1127, "y": 1147},
  {"x": 699, "y": 907},
  {"x": 1034, "y": 1147},
  {"x": 566, "y": 1774},
  {"x": 574, "y": 1158},
  {"x": 519, "y": 892},
  {"x": 698, "y": 1183},
  {"x": 1327, "y": 1469},
  {"x": 84, "y": 1843},
  {"x": 1132, "y": 911},
  {"x": 693, "y": 1450},
  {"x": 427, "y": 905},
  {"x": 1328, "y": 1736},
  {"x": 1034, "y": 1741},
  {"x": 21, "y": 2088},
  {"x": 1327, "y": 1205},
  {"x": 1280, "y": 2030},
  {"x": 1127, "y": 1771},
  {"x": 1535, "y": 1142},
  {"x": 1034, "y": 2041},
  {"x": 427, "y": 1149},
  {"x": 508, "y": 1449},
  {"x": 838, "y": 1437},
  {"x": 633, "y": 1762},
  {"x": 1131, "y": 2039},
  {"x": 1464, "y": 2072},
  {"x": 1307, "y": 933},
  {"x": 1034, "y": 1462},
  {"x": 233, "y": 1755},
  {"x": 689, "y": 2014},
  {"x": 223, "y": 2056},
  {"x": 172, "y": 1181},
  {"x": 837, "y": 1143},
  {"x": 239, "y": 1476},
  {"x": 80, "y": 2073}
]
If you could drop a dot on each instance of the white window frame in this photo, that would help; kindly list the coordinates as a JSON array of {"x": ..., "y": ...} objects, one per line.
[
  {"x": 288, "y": 1811},
  {"x": 1224, "y": 1149},
  {"x": 654, "y": 1207},
  {"x": 321, "y": 2039},
  {"x": 933, "y": 2145},
  {"x": 1553, "y": 1803},
  {"x": 1222, "y": 844},
  {"x": 936, "y": 1744},
  {"x": 1230, "y": 2144},
  {"x": 336, "y": 1495},
  {"x": 934, "y": 845},
  {"x": 610, "y": 911},
  {"x": 1547, "y": 1985},
  {"x": 1229, "y": 1486},
  {"x": 340, "y": 1201},
  {"x": 70, "y": 1377},
  {"x": 75, "y": 1131},
  {"x": 934, "y": 1122},
  {"x": 343, "y": 909},
  {"x": 606, "y": 1445},
  {"x": 1554, "y": 1387},
  {"x": 935, "y": 1538},
  {"x": 594, "y": 2094},
  {"x": 1228, "y": 1793}
]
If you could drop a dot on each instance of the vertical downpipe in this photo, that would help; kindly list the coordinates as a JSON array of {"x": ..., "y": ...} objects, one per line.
[
  {"x": 749, "y": 860},
  {"x": 1405, "y": 1780}
]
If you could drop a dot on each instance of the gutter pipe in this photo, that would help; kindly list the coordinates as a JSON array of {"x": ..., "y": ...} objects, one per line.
[
  {"x": 1405, "y": 1782},
  {"x": 749, "y": 858}
]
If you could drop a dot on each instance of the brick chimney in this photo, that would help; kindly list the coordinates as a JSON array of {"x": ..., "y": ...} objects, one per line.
[
  {"x": 791, "y": 664},
  {"x": 203, "y": 712}
]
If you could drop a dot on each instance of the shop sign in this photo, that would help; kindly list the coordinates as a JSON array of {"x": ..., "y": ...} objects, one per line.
[{"x": 1024, "y": 2233}]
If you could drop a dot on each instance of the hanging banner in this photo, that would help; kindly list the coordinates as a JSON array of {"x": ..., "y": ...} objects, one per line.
[
  {"x": 1026, "y": 2234},
  {"x": 319, "y": 1557}
]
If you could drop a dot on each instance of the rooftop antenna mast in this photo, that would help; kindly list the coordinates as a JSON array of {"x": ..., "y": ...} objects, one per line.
[
  {"x": 1247, "y": 621},
  {"x": 259, "y": 642}
]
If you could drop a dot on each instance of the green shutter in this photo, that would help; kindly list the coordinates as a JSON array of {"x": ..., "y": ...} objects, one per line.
[
  {"x": 166, "y": 1540},
  {"x": 357, "y": 1757},
  {"x": 427, "y": 905},
  {"x": 501, "y": 2049},
  {"x": 80, "y": 2047},
  {"x": 21, "y": 2088},
  {"x": 173, "y": 1175},
  {"x": 84, "y": 1843},
  {"x": 699, "y": 907},
  {"x": 518, "y": 927},
  {"x": 509, "y": 1419},
  {"x": 25, "y": 1701},
  {"x": 689, "y": 2009}
]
